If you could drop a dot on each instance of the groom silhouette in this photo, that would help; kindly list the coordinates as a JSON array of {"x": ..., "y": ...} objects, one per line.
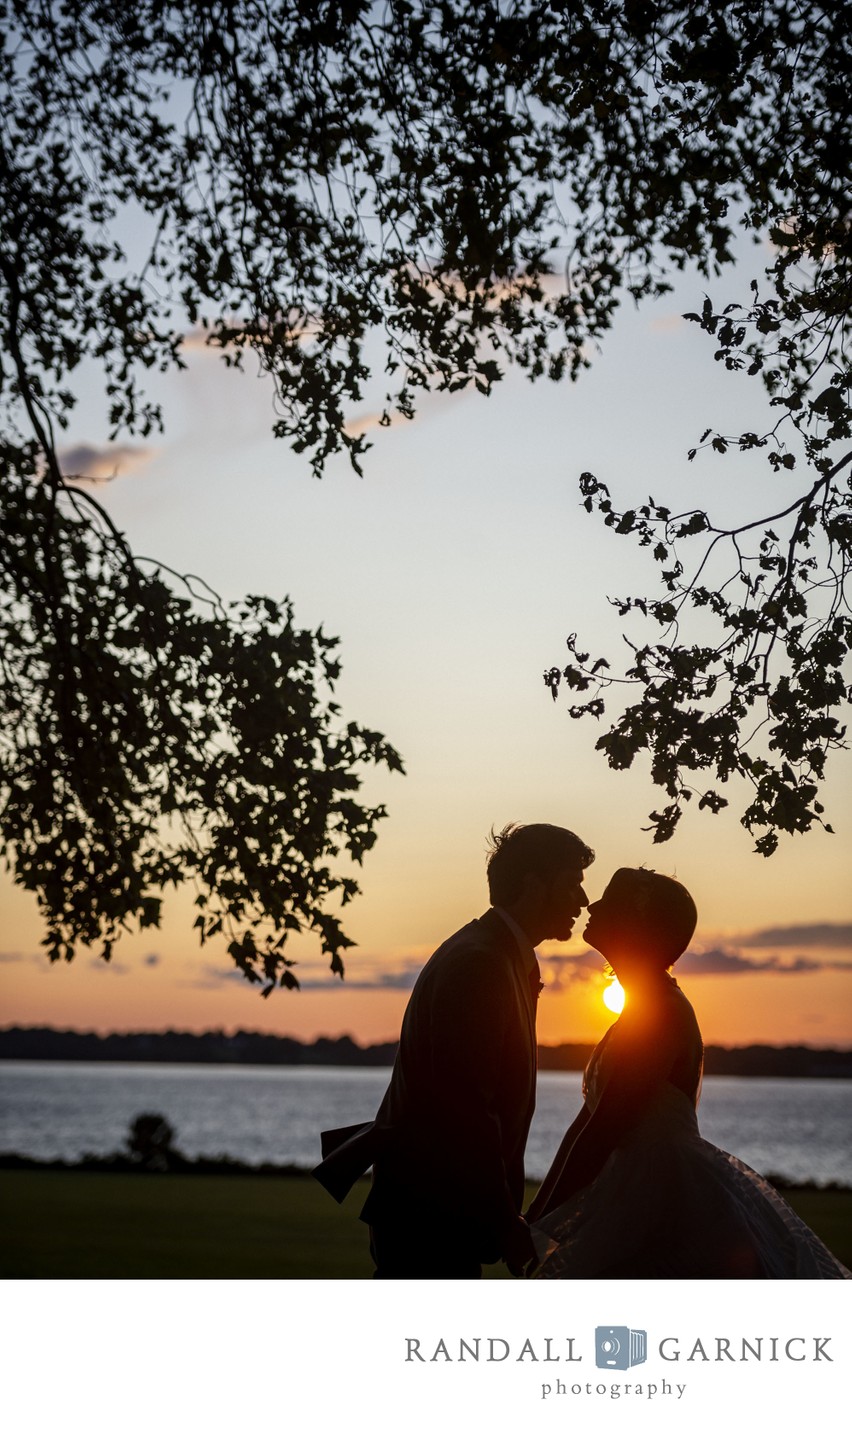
[{"x": 447, "y": 1144}]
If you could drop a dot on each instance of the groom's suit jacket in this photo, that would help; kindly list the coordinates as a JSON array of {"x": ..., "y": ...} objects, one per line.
[{"x": 447, "y": 1144}]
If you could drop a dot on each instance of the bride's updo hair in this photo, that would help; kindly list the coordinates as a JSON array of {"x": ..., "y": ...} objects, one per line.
[{"x": 664, "y": 912}]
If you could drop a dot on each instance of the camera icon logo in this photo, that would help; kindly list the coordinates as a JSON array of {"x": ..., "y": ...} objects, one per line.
[{"x": 620, "y": 1347}]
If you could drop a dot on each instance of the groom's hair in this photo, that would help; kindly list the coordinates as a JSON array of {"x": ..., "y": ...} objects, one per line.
[{"x": 539, "y": 848}]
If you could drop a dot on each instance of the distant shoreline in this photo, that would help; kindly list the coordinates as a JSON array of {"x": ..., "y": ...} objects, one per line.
[
  {"x": 41, "y": 1044},
  {"x": 224, "y": 1166}
]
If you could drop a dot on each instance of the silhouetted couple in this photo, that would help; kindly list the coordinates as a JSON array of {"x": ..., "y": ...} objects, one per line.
[{"x": 634, "y": 1190}]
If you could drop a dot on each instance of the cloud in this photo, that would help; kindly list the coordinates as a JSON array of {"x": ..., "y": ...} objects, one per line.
[
  {"x": 117, "y": 969},
  {"x": 197, "y": 338},
  {"x": 723, "y": 961},
  {"x": 363, "y": 423},
  {"x": 560, "y": 970},
  {"x": 208, "y": 340},
  {"x": 17, "y": 956},
  {"x": 114, "y": 966},
  {"x": 665, "y": 323},
  {"x": 98, "y": 465},
  {"x": 401, "y": 976},
  {"x": 814, "y": 935}
]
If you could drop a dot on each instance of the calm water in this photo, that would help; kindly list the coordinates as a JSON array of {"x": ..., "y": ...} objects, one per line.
[{"x": 795, "y": 1127}]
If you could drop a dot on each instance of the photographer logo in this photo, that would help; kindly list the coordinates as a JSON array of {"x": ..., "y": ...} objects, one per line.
[{"x": 617, "y": 1348}]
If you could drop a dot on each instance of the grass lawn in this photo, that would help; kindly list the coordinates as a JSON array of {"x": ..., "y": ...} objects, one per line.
[{"x": 117, "y": 1225}]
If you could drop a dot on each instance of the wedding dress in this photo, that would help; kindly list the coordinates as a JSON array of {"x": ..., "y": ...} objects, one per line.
[{"x": 668, "y": 1204}]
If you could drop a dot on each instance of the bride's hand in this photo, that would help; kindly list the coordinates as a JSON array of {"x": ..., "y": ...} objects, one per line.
[{"x": 518, "y": 1248}]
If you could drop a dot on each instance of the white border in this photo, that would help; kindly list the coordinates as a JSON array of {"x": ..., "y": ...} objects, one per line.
[{"x": 223, "y": 1358}]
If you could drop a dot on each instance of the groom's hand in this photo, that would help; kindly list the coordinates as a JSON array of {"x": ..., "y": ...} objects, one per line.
[{"x": 518, "y": 1248}]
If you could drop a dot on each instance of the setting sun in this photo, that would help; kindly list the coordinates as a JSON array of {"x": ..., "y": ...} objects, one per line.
[{"x": 614, "y": 996}]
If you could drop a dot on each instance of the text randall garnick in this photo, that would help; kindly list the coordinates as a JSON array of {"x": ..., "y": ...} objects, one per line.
[{"x": 569, "y": 1349}]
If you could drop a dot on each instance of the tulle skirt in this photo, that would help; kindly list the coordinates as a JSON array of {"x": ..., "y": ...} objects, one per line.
[{"x": 667, "y": 1204}]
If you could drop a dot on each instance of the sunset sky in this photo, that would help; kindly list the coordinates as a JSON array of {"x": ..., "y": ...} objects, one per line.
[{"x": 452, "y": 573}]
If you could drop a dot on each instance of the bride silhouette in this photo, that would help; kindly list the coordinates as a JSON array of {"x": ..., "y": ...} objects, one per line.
[{"x": 634, "y": 1190}]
